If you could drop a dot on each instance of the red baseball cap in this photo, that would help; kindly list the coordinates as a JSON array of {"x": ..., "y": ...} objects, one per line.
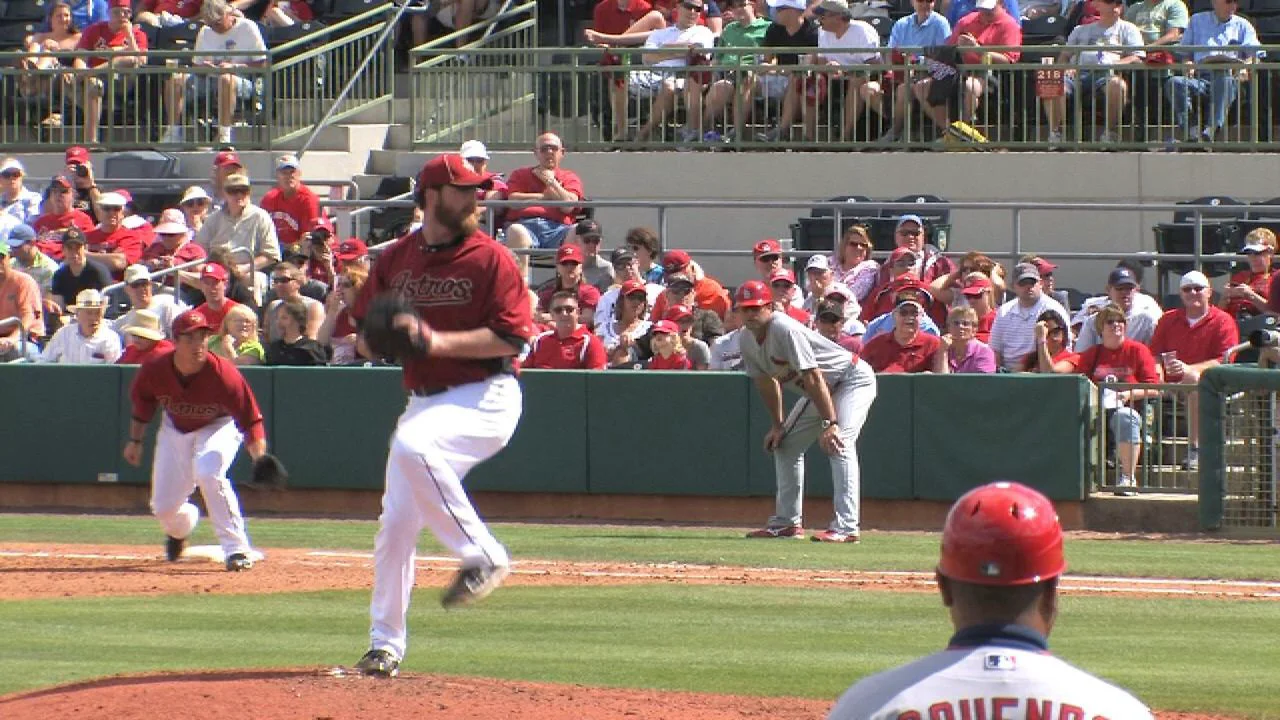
[
  {"x": 674, "y": 261},
  {"x": 213, "y": 271},
  {"x": 569, "y": 254},
  {"x": 676, "y": 313},
  {"x": 77, "y": 155},
  {"x": 901, "y": 252},
  {"x": 226, "y": 158},
  {"x": 766, "y": 247},
  {"x": 61, "y": 181},
  {"x": 752, "y": 293},
  {"x": 782, "y": 274},
  {"x": 631, "y": 287},
  {"x": 121, "y": 4},
  {"x": 1044, "y": 266},
  {"x": 666, "y": 326},
  {"x": 976, "y": 286},
  {"x": 192, "y": 320},
  {"x": 351, "y": 249},
  {"x": 321, "y": 222},
  {"x": 913, "y": 291},
  {"x": 450, "y": 169}
]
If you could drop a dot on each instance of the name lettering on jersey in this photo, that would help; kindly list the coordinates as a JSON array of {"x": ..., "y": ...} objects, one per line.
[
  {"x": 179, "y": 408},
  {"x": 429, "y": 291},
  {"x": 1000, "y": 661},
  {"x": 999, "y": 708}
]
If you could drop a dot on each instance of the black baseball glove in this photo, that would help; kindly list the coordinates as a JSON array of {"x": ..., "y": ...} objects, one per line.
[
  {"x": 269, "y": 473},
  {"x": 410, "y": 339}
]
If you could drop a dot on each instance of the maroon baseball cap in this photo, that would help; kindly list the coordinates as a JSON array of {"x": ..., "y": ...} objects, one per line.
[
  {"x": 674, "y": 261},
  {"x": 666, "y": 326},
  {"x": 450, "y": 169},
  {"x": 976, "y": 286},
  {"x": 766, "y": 247},
  {"x": 191, "y": 320},
  {"x": 569, "y": 254},
  {"x": 227, "y": 158},
  {"x": 351, "y": 249},
  {"x": 213, "y": 271},
  {"x": 631, "y": 287},
  {"x": 782, "y": 274},
  {"x": 1044, "y": 266},
  {"x": 77, "y": 155},
  {"x": 676, "y": 313},
  {"x": 900, "y": 253},
  {"x": 61, "y": 181}
]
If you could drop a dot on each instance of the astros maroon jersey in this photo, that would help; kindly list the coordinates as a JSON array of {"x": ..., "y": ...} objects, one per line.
[
  {"x": 217, "y": 391},
  {"x": 472, "y": 284}
]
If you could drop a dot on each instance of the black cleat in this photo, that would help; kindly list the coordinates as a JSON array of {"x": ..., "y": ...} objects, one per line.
[
  {"x": 173, "y": 548},
  {"x": 379, "y": 663},
  {"x": 237, "y": 562},
  {"x": 471, "y": 585}
]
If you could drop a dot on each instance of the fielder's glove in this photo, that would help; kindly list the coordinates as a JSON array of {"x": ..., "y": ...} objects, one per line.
[
  {"x": 410, "y": 339},
  {"x": 269, "y": 472}
]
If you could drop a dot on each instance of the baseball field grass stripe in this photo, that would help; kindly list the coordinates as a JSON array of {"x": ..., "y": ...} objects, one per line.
[
  {"x": 1123, "y": 557},
  {"x": 1177, "y": 654}
]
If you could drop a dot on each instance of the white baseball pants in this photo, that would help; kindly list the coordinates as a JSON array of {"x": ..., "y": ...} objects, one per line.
[
  {"x": 436, "y": 443},
  {"x": 185, "y": 461}
]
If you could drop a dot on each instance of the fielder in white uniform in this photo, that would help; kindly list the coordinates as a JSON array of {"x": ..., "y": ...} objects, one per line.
[
  {"x": 998, "y": 577},
  {"x": 837, "y": 389}
]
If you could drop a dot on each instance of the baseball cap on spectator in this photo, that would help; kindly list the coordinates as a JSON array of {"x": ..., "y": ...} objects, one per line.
[
  {"x": 192, "y": 320},
  {"x": 680, "y": 278},
  {"x": 673, "y": 261},
  {"x": 195, "y": 192},
  {"x": 77, "y": 155},
  {"x": 783, "y": 4},
  {"x": 212, "y": 271},
  {"x": 765, "y": 248},
  {"x": 1025, "y": 271},
  {"x": 666, "y": 326},
  {"x": 320, "y": 223},
  {"x": 112, "y": 199},
  {"x": 473, "y": 149},
  {"x": 61, "y": 181},
  {"x": 288, "y": 162},
  {"x": 351, "y": 249},
  {"x": 829, "y": 311},
  {"x": 1122, "y": 277},
  {"x": 1044, "y": 266},
  {"x": 902, "y": 254},
  {"x": 293, "y": 252},
  {"x": 976, "y": 285},
  {"x": 227, "y": 158},
  {"x": 172, "y": 222},
  {"x": 752, "y": 293},
  {"x": 569, "y": 254},
  {"x": 986, "y": 4},
  {"x": 676, "y": 313},
  {"x": 839, "y": 288},
  {"x": 1254, "y": 248},
  {"x": 1195, "y": 278},
  {"x": 12, "y": 164},
  {"x": 73, "y": 236},
  {"x": 621, "y": 256},
  {"x": 234, "y": 182},
  {"x": 782, "y": 274},
  {"x": 587, "y": 228},
  {"x": 818, "y": 262},
  {"x": 136, "y": 273},
  {"x": 146, "y": 324},
  {"x": 88, "y": 299},
  {"x": 20, "y": 235},
  {"x": 121, "y": 4},
  {"x": 632, "y": 287},
  {"x": 904, "y": 219},
  {"x": 834, "y": 7},
  {"x": 450, "y": 169}
]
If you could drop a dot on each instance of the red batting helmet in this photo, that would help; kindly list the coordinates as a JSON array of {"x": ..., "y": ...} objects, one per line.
[
  {"x": 752, "y": 293},
  {"x": 1004, "y": 533}
]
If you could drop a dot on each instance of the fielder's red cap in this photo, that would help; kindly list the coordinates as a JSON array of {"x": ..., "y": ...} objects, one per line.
[
  {"x": 766, "y": 247},
  {"x": 676, "y": 313},
  {"x": 191, "y": 320},
  {"x": 666, "y": 326},
  {"x": 213, "y": 271},
  {"x": 752, "y": 293},
  {"x": 227, "y": 158},
  {"x": 1004, "y": 533},
  {"x": 782, "y": 274},
  {"x": 569, "y": 254},
  {"x": 631, "y": 287},
  {"x": 674, "y": 261},
  {"x": 77, "y": 155},
  {"x": 450, "y": 169}
]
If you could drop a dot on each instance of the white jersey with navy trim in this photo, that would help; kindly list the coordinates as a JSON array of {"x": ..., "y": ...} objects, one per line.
[{"x": 1004, "y": 678}]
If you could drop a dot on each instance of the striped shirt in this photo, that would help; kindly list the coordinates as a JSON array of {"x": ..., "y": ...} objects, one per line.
[{"x": 1014, "y": 333}]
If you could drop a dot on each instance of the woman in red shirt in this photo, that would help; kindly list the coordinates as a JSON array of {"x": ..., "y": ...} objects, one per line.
[
  {"x": 1053, "y": 354},
  {"x": 668, "y": 351},
  {"x": 1247, "y": 291},
  {"x": 1117, "y": 359}
]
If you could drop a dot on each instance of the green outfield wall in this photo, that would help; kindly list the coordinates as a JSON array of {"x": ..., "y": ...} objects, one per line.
[{"x": 928, "y": 437}]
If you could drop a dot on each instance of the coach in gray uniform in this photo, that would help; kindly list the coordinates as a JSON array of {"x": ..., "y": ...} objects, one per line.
[{"x": 837, "y": 390}]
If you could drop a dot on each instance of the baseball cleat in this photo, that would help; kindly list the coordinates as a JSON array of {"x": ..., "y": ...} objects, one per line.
[
  {"x": 379, "y": 663},
  {"x": 471, "y": 585},
  {"x": 835, "y": 536},
  {"x": 789, "y": 531},
  {"x": 237, "y": 562},
  {"x": 173, "y": 548}
]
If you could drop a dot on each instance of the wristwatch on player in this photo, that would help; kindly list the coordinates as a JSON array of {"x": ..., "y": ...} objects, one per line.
[{"x": 827, "y": 423}]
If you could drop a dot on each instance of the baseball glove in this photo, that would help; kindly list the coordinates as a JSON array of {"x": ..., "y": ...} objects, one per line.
[
  {"x": 269, "y": 472},
  {"x": 386, "y": 339}
]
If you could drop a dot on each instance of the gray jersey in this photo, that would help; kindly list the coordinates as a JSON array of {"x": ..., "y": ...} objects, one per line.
[{"x": 790, "y": 348}]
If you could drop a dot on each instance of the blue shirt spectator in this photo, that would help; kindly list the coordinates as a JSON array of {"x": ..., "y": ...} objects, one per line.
[
  {"x": 1206, "y": 29},
  {"x": 884, "y": 324},
  {"x": 911, "y": 32},
  {"x": 960, "y": 8},
  {"x": 87, "y": 12}
]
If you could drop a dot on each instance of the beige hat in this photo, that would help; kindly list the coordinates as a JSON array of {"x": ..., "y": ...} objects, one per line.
[
  {"x": 233, "y": 181},
  {"x": 89, "y": 299},
  {"x": 135, "y": 273},
  {"x": 835, "y": 7},
  {"x": 146, "y": 324}
]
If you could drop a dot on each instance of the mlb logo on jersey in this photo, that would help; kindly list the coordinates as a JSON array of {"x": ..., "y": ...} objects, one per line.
[{"x": 998, "y": 661}]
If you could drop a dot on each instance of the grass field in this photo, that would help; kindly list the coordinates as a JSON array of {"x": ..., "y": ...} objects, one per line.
[{"x": 1206, "y": 655}]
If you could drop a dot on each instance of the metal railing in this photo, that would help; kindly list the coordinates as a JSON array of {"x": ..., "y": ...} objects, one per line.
[
  {"x": 610, "y": 99},
  {"x": 294, "y": 89},
  {"x": 1240, "y": 458},
  {"x": 1162, "y": 455},
  {"x": 159, "y": 274}
]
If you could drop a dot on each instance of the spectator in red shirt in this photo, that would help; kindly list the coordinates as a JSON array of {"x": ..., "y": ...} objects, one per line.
[
  {"x": 977, "y": 293},
  {"x": 696, "y": 348},
  {"x": 906, "y": 349},
  {"x": 292, "y": 205},
  {"x": 678, "y": 270},
  {"x": 899, "y": 274},
  {"x": 1117, "y": 359},
  {"x": 213, "y": 283},
  {"x": 168, "y": 13},
  {"x": 1052, "y": 354},
  {"x": 928, "y": 261},
  {"x": 615, "y": 17},
  {"x": 569, "y": 277},
  {"x": 830, "y": 325},
  {"x": 339, "y": 331},
  {"x": 173, "y": 246},
  {"x": 668, "y": 351},
  {"x": 569, "y": 345},
  {"x": 123, "y": 46},
  {"x": 1248, "y": 292},
  {"x": 785, "y": 292},
  {"x": 352, "y": 252},
  {"x": 145, "y": 339},
  {"x": 1190, "y": 340},
  {"x": 57, "y": 213},
  {"x": 539, "y": 226},
  {"x": 112, "y": 243},
  {"x": 767, "y": 255},
  {"x": 320, "y": 262}
]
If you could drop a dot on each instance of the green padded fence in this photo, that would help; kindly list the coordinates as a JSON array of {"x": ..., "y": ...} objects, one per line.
[
  {"x": 927, "y": 437},
  {"x": 1238, "y": 451}
]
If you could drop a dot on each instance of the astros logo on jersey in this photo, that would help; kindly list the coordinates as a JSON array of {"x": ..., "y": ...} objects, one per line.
[{"x": 426, "y": 291}]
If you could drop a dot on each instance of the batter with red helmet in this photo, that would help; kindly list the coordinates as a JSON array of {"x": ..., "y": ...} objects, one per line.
[
  {"x": 998, "y": 577},
  {"x": 208, "y": 409},
  {"x": 459, "y": 314},
  {"x": 836, "y": 389}
]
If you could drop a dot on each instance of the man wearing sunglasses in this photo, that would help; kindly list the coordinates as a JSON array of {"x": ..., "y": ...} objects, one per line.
[
  {"x": 569, "y": 345},
  {"x": 239, "y": 224},
  {"x": 542, "y": 226},
  {"x": 15, "y": 200},
  {"x": 673, "y": 47},
  {"x": 1013, "y": 334}
]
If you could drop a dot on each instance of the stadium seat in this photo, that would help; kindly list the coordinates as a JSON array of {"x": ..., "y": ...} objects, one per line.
[
  {"x": 178, "y": 37},
  {"x": 30, "y": 10},
  {"x": 1187, "y": 216},
  {"x": 13, "y": 33},
  {"x": 1045, "y": 30},
  {"x": 828, "y": 212},
  {"x": 1268, "y": 29}
]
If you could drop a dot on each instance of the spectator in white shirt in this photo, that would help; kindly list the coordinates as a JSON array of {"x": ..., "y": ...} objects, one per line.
[
  {"x": 1014, "y": 333},
  {"x": 142, "y": 296},
  {"x": 87, "y": 341},
  {"x": 16, "y": 200},
  {"x": 1123, "y": 292},
  {"x": 672, "y": 47},
  {"x": 840, "y": 38}
]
